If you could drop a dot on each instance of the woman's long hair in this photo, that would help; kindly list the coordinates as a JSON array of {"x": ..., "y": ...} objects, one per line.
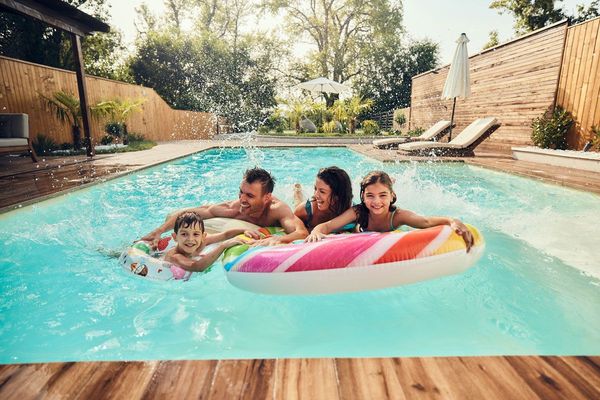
[
  {"x": 341, "y": 188},
  {"x": 361, "y": 210}
]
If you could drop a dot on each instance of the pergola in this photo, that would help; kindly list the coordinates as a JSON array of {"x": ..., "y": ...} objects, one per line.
[{"x": 61, "y": 15}]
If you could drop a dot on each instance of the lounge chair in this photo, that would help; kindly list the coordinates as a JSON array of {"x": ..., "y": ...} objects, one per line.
[
  {"x": 433, "y": 132},
  {"x": 14, "y": 135},
  {"x": 461, "y": 144}
]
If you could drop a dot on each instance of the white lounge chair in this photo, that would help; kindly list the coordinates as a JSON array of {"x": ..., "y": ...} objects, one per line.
[
  {"x": 429, "y": 134},
  {"x": 462, "y": 141}
]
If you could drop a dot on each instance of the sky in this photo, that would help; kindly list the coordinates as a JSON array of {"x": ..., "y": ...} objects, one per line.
[{"x": 442, "y": 21}]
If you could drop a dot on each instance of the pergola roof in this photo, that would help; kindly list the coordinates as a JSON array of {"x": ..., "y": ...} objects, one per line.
[{"x": 58, "y": 14}]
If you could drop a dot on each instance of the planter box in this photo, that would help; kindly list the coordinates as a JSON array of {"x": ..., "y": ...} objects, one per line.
[{"x": 562, "y": 158}]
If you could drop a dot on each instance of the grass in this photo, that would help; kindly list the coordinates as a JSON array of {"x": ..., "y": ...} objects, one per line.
[{"x": 132, "y": 146}]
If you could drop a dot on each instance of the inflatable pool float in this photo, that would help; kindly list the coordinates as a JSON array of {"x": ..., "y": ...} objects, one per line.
[
  {"x": 352, "y": 262},
  {"x": 140, "y": 259}
]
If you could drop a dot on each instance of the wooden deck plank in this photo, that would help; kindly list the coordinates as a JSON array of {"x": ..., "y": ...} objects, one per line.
[
  {"x": 180, "y": 379},
  {"x": 243, "y": 379},
  {"x": 313, "y": 378}
]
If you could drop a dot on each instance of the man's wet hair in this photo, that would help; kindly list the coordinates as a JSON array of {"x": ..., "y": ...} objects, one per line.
[
  {"x": 187, "y": 219},
  {"x": 260, "y": 175}
]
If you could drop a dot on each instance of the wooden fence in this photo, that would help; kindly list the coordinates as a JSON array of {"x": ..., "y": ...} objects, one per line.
[
  {"x": 23, "y": 82},
  {"x": 514, "y": 82},
  {"x": 579, "y": 85}
]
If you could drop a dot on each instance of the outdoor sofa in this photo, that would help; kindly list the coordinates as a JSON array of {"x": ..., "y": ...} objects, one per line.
[{"x": 14, "y": 135}]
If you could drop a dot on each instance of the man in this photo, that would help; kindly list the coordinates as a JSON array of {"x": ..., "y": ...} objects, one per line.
[{"x": 255, "y": 204}]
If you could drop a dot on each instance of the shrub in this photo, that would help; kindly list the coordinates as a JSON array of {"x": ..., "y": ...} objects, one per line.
[
  {"x": 329, "y": 127},
  {"x": 263, "y": 129},
  {"x": 44, "y": 144},
  {"x": 136, "y": 137},
  {"x": 415, "y": 132},
  {"x": 400, "y": 119},
  {"x": 550, "y": 130},
  {"x": 370, "y": 127},
  {"x": 114, "y": 129},
  {"x": 596, "y": 137},
  {"x": 107, "y": 139}
]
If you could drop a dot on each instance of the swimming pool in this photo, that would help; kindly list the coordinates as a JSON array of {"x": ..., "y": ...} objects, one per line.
[{"x": 64, "y": 297}]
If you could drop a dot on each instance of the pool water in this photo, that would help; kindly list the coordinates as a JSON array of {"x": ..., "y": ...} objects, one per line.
[{"x": 64, "y": 297}]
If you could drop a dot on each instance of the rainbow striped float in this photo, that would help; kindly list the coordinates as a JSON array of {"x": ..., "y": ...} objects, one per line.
[{"x": 352, "y": 262}]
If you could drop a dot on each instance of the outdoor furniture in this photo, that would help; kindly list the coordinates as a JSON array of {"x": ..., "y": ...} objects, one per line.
[
  {"x": 430, "y": 134},
  {"x": 14, "y": 135},
  {"x": 461, "y": 144}
]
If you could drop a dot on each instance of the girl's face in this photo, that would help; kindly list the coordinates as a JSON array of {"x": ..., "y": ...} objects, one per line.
[
  {"x": 377, "y": 198},
  {"x": 322, "y": 195}
]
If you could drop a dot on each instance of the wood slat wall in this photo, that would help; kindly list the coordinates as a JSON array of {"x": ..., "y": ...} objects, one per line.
[
  {"x": 579, "y": 85},
  {"x": 514, "y": 82},
  {"x": 21, "y": 83}
]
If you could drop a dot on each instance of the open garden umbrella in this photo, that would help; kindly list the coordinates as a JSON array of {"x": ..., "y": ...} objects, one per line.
[
  {"x": 323, "y": 85},
  {"x": 458, "y": 83}
]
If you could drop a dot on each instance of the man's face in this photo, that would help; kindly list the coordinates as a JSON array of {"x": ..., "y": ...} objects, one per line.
[{"x": 252, "y": 198}]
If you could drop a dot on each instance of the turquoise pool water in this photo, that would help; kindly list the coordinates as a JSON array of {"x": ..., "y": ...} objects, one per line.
[{"x": 535, "y": 291}]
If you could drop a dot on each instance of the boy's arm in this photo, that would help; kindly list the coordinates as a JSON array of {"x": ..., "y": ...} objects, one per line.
[
  {"x": 208, "y": 211},
  {"x": 206, "y": 260}
]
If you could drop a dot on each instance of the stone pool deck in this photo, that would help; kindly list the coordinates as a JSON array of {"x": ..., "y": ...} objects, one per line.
[{"x": 524, "y": 377}]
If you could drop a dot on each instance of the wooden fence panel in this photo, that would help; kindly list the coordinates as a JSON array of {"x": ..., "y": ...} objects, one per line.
[
  {"x": 579, "y": 85},
  {"x": 514, "y": 82},
  {"x": 22, "y": 83}
]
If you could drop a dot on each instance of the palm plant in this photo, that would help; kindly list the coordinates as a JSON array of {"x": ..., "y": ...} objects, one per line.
[
  {"x": 296, "y": 110},
  {"x": 353, "y": 108},
  {"x": 339, "y": 111},
  {"x": 119, "y": 111},
  {"x": 66, "y": 108}
]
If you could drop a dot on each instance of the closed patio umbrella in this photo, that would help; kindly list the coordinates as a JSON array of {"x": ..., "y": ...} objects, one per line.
[{"x": 458, "y": 83}]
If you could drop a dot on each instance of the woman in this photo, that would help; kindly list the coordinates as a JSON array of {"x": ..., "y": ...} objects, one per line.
[{"x": 332, "y": 196}]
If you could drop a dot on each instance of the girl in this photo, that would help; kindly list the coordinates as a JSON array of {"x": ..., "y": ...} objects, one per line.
[
  {"x": 333, "y": 196},
  {"x": 377, "y": 212}
]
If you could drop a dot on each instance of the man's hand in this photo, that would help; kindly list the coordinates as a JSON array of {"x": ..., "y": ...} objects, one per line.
[
  {"x": 153, "y": 238},
  {"x": 256, "y": 235},
  {"x": 463, "y": 231}
]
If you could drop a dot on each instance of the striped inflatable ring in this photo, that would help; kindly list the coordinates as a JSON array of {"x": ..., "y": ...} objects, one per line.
[{"x": 352, "y": 262}]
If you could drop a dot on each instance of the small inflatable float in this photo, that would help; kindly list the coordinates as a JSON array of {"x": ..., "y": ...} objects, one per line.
[
  {"x": 352, "y": 262},
  {"x": 140, "y": 259}
]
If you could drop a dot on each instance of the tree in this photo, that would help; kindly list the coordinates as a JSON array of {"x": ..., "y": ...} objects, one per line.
[
  {"x": 493, "y": 40},
  {"x": 388, "y": 70},
  {"x": 342, "y": 31},
  {"x": 529, "y": 14},
  {"x": 583, "y": 14}
]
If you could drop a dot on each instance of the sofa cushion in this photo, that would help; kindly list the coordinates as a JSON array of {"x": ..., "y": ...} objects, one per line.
[{"x": 12, "y": 142}]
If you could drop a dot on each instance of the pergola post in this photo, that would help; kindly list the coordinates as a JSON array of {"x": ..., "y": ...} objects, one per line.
[{"x": 83, "y": 102}]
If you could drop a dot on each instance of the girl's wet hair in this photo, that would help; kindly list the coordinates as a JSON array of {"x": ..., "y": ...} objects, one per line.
[
  {"x": 361, "y": 210},
  {"x": 341, "y": 188},
  {"x": 187, "y": 219}
]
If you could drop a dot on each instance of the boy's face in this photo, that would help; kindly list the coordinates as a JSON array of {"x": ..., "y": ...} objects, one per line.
[{"x": 190, "y": 238}]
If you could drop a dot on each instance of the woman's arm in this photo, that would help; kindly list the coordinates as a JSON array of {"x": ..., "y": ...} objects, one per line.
[{"x": 326, "y": 228}]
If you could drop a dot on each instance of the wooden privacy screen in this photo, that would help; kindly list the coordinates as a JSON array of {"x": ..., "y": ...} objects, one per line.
[
  {"x": 514, "y": 82},
  {"x": 22, "y": 81},
  {"x": 579, "y": 85}
]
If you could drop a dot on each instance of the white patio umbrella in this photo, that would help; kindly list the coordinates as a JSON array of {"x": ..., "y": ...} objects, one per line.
[
  {"x": 323, "y": 85},
  {"x": 458, "y": 83}
]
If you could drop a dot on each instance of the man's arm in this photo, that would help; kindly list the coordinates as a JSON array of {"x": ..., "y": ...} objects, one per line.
[{"x": 292, "y": 225}]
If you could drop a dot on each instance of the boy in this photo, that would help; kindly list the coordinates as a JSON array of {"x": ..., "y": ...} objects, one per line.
[{"x": 191, "y": 239}]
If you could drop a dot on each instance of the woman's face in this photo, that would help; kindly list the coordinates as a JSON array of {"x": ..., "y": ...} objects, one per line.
[
  {"x": 377, "y": 198},
  {"x": 322, "y": 195}
]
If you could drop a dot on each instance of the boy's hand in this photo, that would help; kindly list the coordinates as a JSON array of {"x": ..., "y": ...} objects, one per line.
[
  {"x": 462, "y": 230},
  {"x": 153, "y": 238}
]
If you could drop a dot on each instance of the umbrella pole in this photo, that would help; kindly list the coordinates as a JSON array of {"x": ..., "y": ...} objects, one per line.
[{"x": 452, "y": 120}]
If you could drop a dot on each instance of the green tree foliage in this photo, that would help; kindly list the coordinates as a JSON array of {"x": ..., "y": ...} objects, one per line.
[
  {"x": 27, "y": 39},
  {"x": 529, "y": 15},
  {"x": 492, "y": 40},
  {"x": 583, "y": 13},
  {"x": 203, "y": 73},
  {"x": 342, "y": 31},
  {"x": 387, "y": 72}
]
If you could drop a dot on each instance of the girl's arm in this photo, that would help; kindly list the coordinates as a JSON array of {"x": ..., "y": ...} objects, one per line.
[
  {"x": 405, "y": 217},
  {"x": 219, "y": 237},
  {"x": 206, "y": 260},
  {"x": 326, "y": 228}
]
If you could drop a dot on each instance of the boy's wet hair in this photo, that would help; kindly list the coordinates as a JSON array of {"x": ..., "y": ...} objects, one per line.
[
  {"x": 361, "y": 210},
  {"x": 260, "y": 175},
  {"x": 187, "y": 219},
  {"x": 341, "y": 188}
]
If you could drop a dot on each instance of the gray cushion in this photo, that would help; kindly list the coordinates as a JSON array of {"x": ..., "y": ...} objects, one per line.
[{"x": 14, "y": 126}]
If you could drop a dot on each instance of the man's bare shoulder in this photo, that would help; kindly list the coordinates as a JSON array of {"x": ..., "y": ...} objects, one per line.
[{"x": 279, "y": 207}]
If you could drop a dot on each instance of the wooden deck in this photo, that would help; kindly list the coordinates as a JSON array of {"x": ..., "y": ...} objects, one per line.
[
  {"x": 488, "y": 378},
  {"x": 503, "y": 377}
]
